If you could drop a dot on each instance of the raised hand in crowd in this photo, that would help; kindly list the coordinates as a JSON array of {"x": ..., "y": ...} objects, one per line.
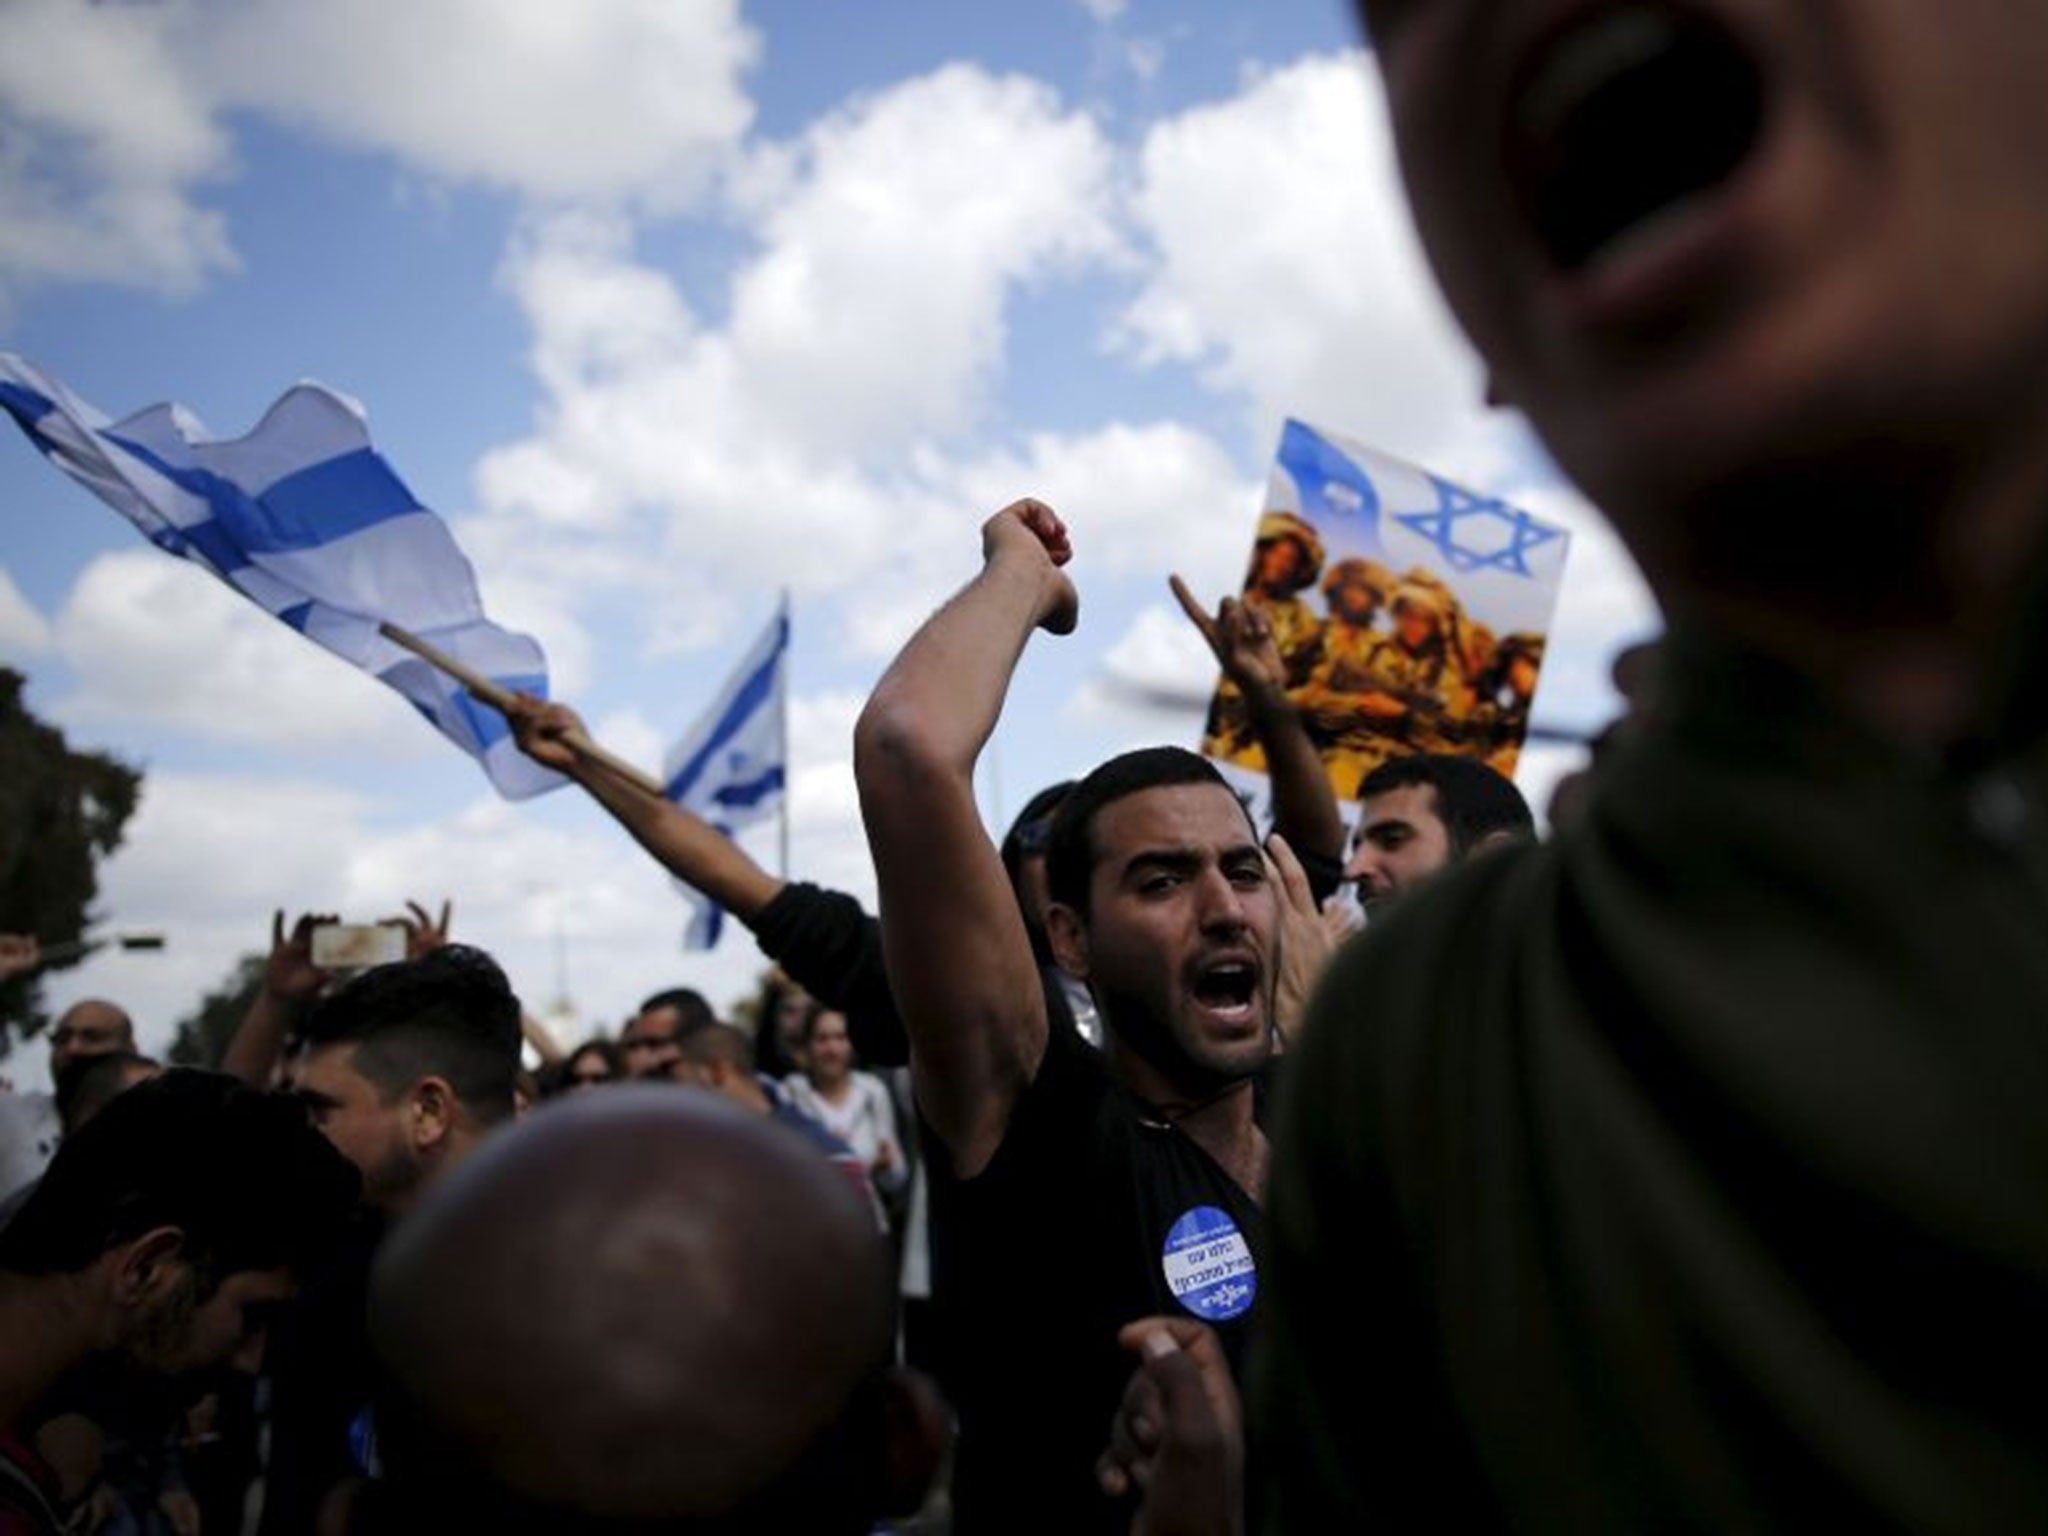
[
  {"x": 290, "y": 974},
  {"x": 1309, "y": 935},
  {"x": 20, "y": 953},
  {"x": 1178, "y": 1437},
  {"x": 423, "y": 934},
  {"x": 1304, "y": 806},
  {"x": 290, "y": 982}
]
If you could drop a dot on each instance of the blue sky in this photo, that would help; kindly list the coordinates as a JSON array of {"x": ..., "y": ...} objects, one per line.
[{"x": 665, "y": 304}]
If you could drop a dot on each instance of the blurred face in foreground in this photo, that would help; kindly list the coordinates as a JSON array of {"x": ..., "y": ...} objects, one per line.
[{"x": 1741, "y": 258}]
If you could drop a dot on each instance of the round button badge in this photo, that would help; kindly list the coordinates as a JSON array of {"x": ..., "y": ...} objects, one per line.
[{"x": 1209, "y": 1266}]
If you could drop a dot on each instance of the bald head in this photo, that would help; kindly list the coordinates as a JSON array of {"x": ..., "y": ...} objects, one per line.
[
  {"x": 90, "y": 1027},
  {"x": 639, "y": 1306}
]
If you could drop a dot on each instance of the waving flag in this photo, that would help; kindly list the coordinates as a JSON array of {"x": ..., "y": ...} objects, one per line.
[
  {"x": 731, "y": 769},
  {"x": 307, "y": 521}
]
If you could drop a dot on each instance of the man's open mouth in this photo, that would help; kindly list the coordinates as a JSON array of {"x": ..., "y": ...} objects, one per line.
[
  {"x": 1227, "y": 987},
  {"x": 1626, "y": 120}
]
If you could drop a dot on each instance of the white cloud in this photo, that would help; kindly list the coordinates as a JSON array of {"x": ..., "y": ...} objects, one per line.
[
  {"x": 1140, "y": 500},
  {"x": 1157, "y": 677},
  {"x": 23, "y": 631},
  {"x": 104, "y": 139},
  {"x": 626, "y": 100},
  {"x": 793, "y": 445},
  {"x": 112, "y": 115},
  {"x": 1288, "y": 271},
  {"x": 159, "y": 642},
  {"x": 1104, "y": 10}
]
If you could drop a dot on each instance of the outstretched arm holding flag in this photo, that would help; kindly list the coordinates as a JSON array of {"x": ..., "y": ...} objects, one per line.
[{"x": 683, "y": 843}]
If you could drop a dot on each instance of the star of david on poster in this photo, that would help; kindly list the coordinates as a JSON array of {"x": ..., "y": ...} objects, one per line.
[{"x": 1509, "y": 534}]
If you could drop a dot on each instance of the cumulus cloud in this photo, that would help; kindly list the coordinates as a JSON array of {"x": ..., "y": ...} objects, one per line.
[
  {"x": 1153, "y": 682},
  {"x": 112, "y": 115},
  {"x": 157, "y": 641},
  {"x": 633, "y": 100},
  {"x": 793, "y": 444},
  {"x": 23, "y": 630},
  {"x": 105, "y": 141},
  {"x": 1285, "y": 267}
]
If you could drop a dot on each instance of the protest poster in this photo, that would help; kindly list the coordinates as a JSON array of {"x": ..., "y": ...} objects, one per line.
[{"x": 1410, "y": 613}]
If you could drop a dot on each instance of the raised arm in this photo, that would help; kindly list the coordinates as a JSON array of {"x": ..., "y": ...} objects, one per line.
[
  {"x": 683, "y": 843},
  {"x": 1304, "y": 806},
  {"x": 290, "y": 982},
  {"x": 958, "y": 955}
]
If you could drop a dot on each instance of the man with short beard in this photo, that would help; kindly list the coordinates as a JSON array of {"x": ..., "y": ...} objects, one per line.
[
  {"x": 1689, "y": 1172},
  {"x": 1082, "y": 1189},
  {"x": 406, "y": 1068}
]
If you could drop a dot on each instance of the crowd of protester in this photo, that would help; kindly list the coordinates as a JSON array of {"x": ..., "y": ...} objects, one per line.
[{"x": 1680, "y": 1169}]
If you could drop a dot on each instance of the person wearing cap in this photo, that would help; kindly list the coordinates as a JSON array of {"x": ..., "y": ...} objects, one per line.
[
  {"x": 1287, "y": 557},
  {"x": 1347, "y": 699},
  {"x": 1286, "y": 560},
  {"x": 1506, "y": 689}
]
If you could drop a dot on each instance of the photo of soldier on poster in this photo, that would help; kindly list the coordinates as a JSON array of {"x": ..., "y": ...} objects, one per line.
[{"x": 1410, "y": 613}]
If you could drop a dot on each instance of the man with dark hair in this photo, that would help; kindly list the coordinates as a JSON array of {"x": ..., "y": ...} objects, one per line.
[
  {"x": 1689, "y": 1171},
  {"x": 1420, "y": 815},
  {"x": 161, "y": 1235},
  {"x": 407, "y": 1065},
  {"x": 406, "y": 1068},
  {"x": 650, "y": 1039},
  {"x": 726, "y": 1369},
  {"x": 1081, "y": 1189}
]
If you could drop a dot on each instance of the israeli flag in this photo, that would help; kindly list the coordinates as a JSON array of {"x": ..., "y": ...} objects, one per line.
[
  {"x": 303, "y": 518},
  {"x": 731, "y": 769}
]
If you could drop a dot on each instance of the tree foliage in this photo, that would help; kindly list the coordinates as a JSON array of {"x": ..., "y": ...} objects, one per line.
[
  {"x": 61, "y": 812},
  {"x": 203, "y": 1035}
]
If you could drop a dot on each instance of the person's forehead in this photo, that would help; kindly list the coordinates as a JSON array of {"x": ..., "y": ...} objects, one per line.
[
  {"x": 91, "y": 1018},
  {"x": 1411, "y": 805},
  {"x": 653, "y": 1024},
  {"x": 1169, "y": 816},
  {"x": 329, "y": 1070}
]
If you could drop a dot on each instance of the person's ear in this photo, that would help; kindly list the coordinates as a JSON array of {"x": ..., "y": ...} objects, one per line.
[
  {"x": 1068, "y": 936},
  {"x": 917, "y": 1429},
  {"x": 431, "y": 1114},
  {"x": 1497, "y": 838},
  {"x": 146, "y": 1265}
]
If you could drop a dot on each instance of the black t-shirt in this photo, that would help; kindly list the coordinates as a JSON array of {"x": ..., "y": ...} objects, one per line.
[{"x": 1091, "y": 1214}]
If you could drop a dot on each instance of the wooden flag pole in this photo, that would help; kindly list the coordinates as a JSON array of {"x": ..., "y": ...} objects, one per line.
[{"x": 500, "y": 699}]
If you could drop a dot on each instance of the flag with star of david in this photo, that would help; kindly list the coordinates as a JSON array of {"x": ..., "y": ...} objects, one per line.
[
  {"x": 1411, "y": 613},
  {"x": 731, "y": 768},
  {"x": 307, "y": 520}
]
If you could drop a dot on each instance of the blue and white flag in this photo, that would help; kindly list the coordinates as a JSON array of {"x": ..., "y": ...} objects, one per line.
[
  {"x": 307, "y": 521},
  {"x": 731, "y": 768}
]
